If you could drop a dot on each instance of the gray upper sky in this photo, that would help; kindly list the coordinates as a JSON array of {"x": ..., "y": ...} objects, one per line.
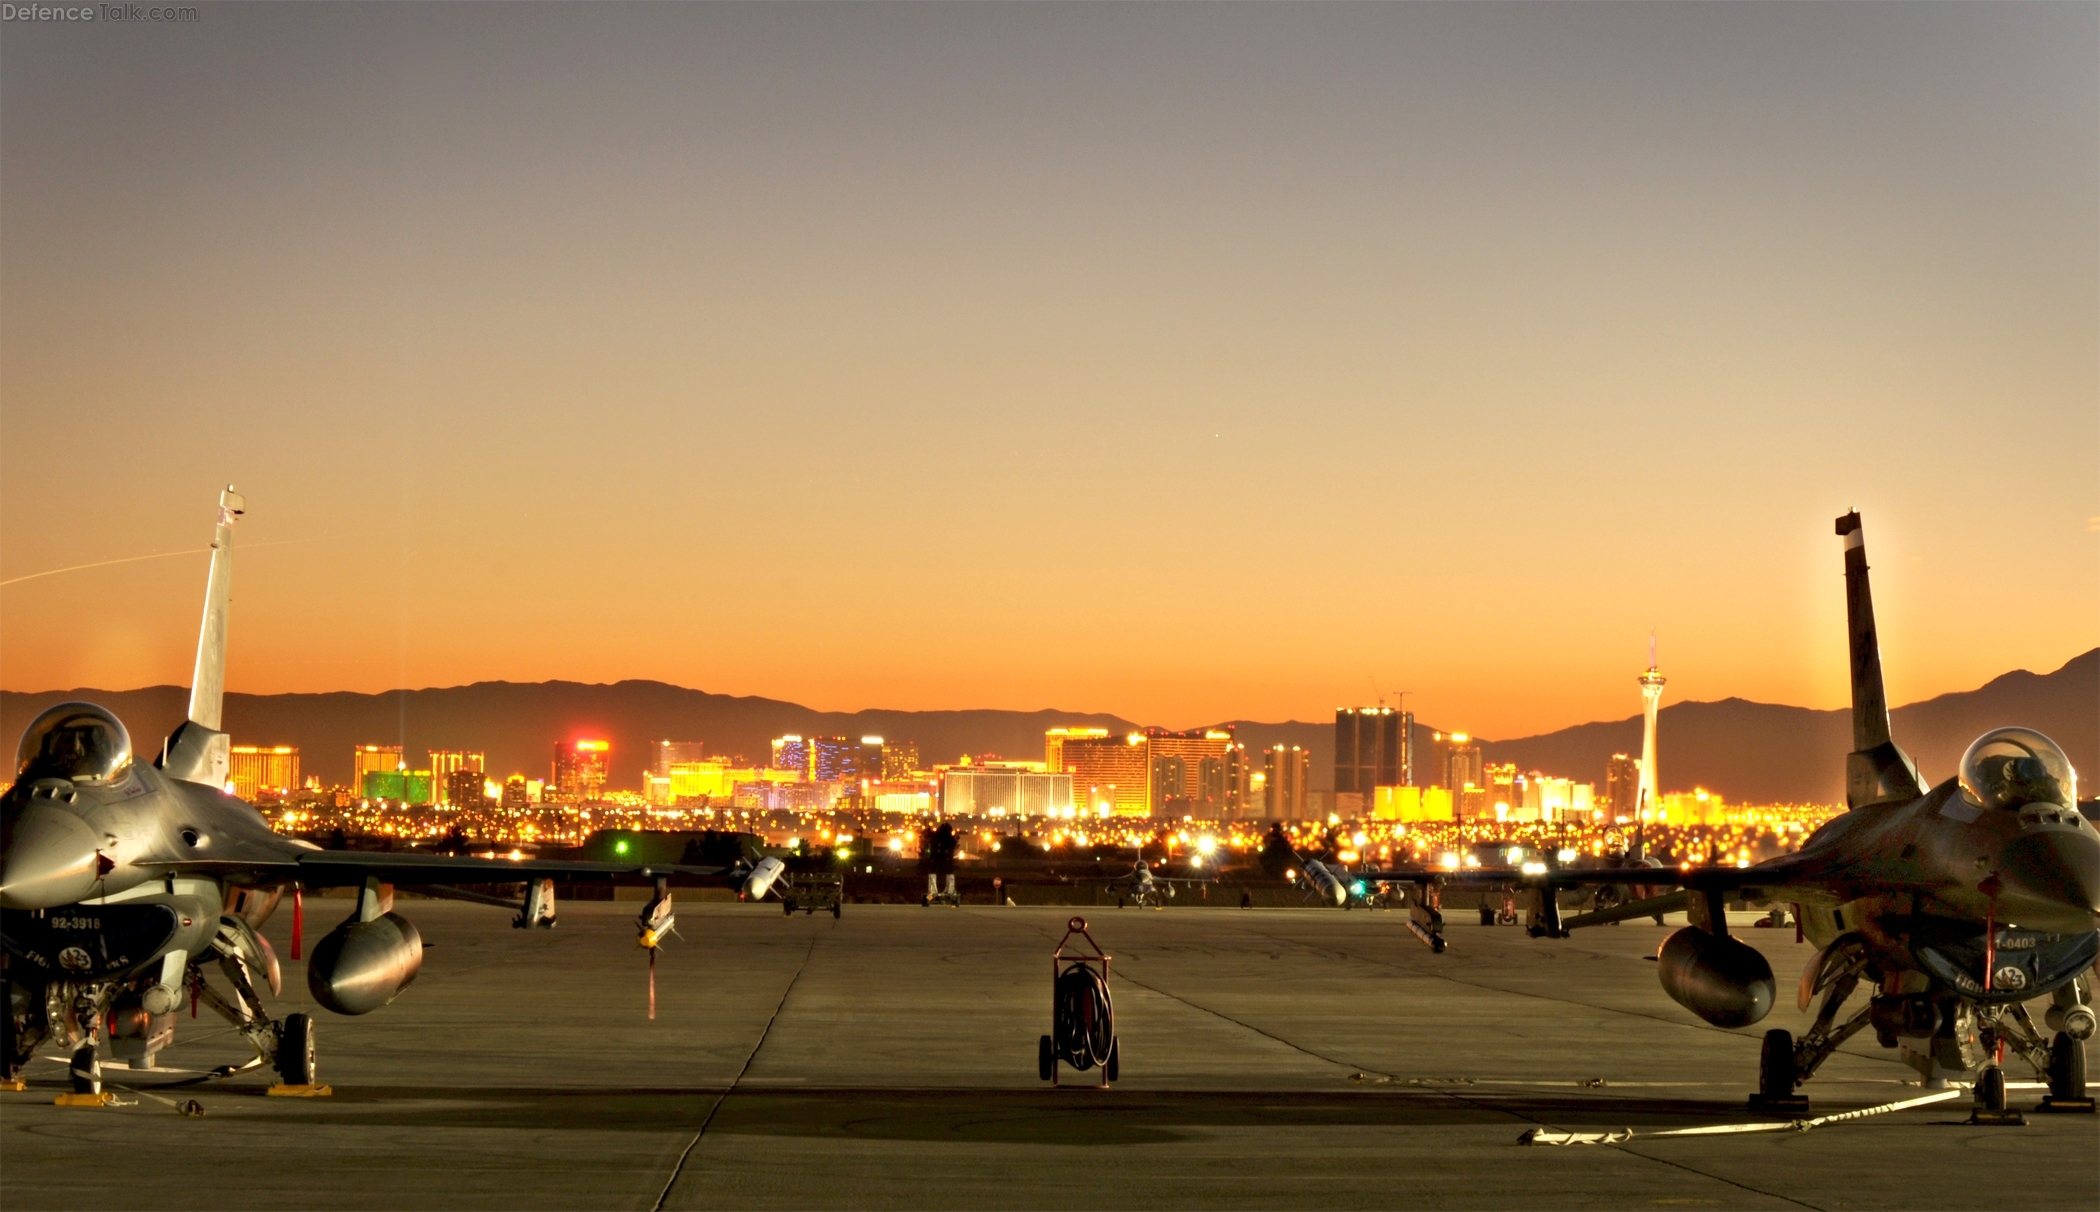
[{"x": 1186, "y": 361}]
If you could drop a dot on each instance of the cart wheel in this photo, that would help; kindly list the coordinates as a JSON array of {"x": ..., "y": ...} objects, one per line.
[
  {"x": 1487, "y": 915},
  {"x": 1045, "y": 1059},
  {"x": 1114, "y": 1068},
  {"x": 834, "y": 911}
]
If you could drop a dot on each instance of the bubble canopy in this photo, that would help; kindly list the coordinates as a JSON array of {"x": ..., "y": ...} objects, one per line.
[
  {"x": 77, "y": 741},
  {"x": 2009, "y": 767}
]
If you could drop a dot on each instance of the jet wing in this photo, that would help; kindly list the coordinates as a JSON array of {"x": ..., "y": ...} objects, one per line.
[
  {"x": 320, "y": 868},
  {"x": 1719, "y": 878},
  {"x": 338, "y": 868}
]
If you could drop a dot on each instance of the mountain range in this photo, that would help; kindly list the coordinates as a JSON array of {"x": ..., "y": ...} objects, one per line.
[{"x": 1750, "y": 752}]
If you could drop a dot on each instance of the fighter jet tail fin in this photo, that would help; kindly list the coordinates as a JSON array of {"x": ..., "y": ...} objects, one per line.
[
  {"x": 1877, "y": 769},
  {"x": 197, "y": 751}
]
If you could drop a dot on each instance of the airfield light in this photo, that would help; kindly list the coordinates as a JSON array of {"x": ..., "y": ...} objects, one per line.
[{"x": 1206, "y": 845}]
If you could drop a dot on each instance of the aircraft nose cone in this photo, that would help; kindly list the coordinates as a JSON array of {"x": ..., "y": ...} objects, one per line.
[
  {"x": 49, "y": 860},
  {"x": 2051, "y": 880}
]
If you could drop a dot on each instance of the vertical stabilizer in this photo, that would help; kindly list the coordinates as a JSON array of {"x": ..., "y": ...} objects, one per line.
[
  {"x": 197, "y": 751},
  {"x": 1877, "y": 768}
]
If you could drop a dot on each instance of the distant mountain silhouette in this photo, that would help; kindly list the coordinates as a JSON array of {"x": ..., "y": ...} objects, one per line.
[
  {"x": 1750, "y": 752},
  {"x": 1766, "y": 753}
]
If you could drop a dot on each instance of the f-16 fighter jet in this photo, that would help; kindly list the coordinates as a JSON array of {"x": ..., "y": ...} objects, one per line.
[
  {"x": 122, "y": 881},
  {"x": 1950, "y": 907}
]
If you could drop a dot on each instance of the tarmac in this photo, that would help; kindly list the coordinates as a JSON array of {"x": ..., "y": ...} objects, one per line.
[{"x": 1273, "y": 1058}]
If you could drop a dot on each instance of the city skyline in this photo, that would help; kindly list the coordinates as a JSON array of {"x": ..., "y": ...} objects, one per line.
[{"x": 1188, "y": 363}]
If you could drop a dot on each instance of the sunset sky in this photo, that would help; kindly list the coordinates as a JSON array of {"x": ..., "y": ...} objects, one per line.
[{"x": 1186, "y": 362}]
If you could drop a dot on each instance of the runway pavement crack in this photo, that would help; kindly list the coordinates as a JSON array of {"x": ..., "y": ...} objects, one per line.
[{"x": 678, "y": 1169}]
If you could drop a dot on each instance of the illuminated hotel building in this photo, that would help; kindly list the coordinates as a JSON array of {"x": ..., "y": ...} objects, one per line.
[
  {"x": 670, "y": 753},
  {"x": 255, "y": 769},
  {"x": 899, "y": 759},
  {"x": 1285, "y": 771},
  {"x": 373, "y": 759},
  {"x": 444, "y": 763},
  {"x": 791, "y": 752},
  {"x": 1188, "y": 771},
  {"x": 1111, "y": 775},
  {"x": 1003, "y": 790},
  {"x": 464, "y": 788},
  {"x": 580, "y": 769},
  {"x": 1622, "y": 786},
  {"x": 1054, "y": 743},
  {"x": 1462, "y": 769},
  {"x": 1372, "y": 749}
]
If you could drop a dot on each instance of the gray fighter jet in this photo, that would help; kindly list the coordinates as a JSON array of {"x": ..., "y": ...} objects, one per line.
[
  {"x": 1951, "y": 906},
  {"x": 122, "y": 882}
]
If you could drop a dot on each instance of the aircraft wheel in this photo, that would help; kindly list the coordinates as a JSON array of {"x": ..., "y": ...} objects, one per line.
[
  {"x": 787, "y": 906},
  {"x": 925, "y": 902},
  {"x": 87, "y": 1071},
  {"x": 1487, "y": 916},
  {"x": 1990, "y": 1089},
  {"x": 1119, "y": 902},
  {"x": 295, "y": 1050},
  {"x": 1045, "y": 1059},
  {"x": 1114, "y": 1068},
  {"x": 834, "y": 911},
  {"x": 1775, "y": 1065},
  {"x": 2066, "y": 1067}
]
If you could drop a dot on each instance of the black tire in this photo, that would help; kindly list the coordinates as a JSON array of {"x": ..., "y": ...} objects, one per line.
[
  {"x": 1045, "y": 1059},
  {"x": 87, "y": 1071},
  {"x": 1487, "y": 915},
  {"x": 787, "y": 907},
  {"x": 1775, "y": 1065},
  {"x": 1990, "y": 1089},
  {"x": 2066, "y": 1067},
  {"x": 834, "y": 911},
  {"x": 295, "y": 1050},
  {"x": 925, "y": 902},
  {"x": 1114, "y": 1068}
]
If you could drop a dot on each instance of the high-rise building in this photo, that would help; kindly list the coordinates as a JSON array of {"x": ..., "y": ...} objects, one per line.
[
  {"x": 517, "y": 796},
  {"x": 1622, "y": 786},
  {"x": 580, "y": 770},
  {"x": 791, "y": 752},
  {"x": 671, "y": 753},
  {"x": 899, "y": 759},
  {"x": 444, "y": 763},
  {"x": 1505, "y": 787},
  {"x": 1111, "y": 775},
  {"x": 1463, "y": 771},
  {"x": 837, "y": 759},
  {"x": 255, "y": 769},
  {"x": 1235, "y": 783},
  {"x": 465, "y": 789},
  {"x": 1286, "y": 769},
  {"x": 1188, "y": 771},
  {"x": 368, "y": 759},
  {"x": 1054, "y": 744},
  {"x": 1370, "y": 751}
]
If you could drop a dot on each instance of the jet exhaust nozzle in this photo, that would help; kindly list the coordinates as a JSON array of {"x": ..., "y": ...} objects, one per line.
[
  {"x": 361, "y": 966},
  {"x": 1723, "y": 980}
]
